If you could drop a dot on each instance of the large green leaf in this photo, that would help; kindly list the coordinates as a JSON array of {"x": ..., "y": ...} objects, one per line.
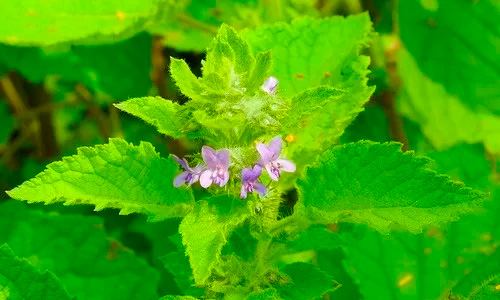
[
  {"x": 206, "y": 230},
  {"x": 20, "y": 280},
  {"x": 46, "y": 23},
  {"x": 115, "y": 175},
  {"x": 455, "y": 43},
  {"x": 308, "y": 282},
  {"x": 443, "y": 117},
  {"x": 312, "y": 52},
  {"x": 378, "y": 185},
  {"x": 77, "y": 249},
  {"x": 161, "y": 113}
]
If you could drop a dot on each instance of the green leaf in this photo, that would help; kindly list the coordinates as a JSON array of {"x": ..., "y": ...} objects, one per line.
[
  {"x": 488, "y": 290},
  {"x": 187, "y": 82},
  {"x": 378, "y": 185},
  {"x": 20, "y": 280},
  {"x": 177, "y": 263},
  {"x": 308, "y": 282},
  {"x": 486, "y": 269},
  {"x": 52, "y": 22},
  {"x": 311, "y": 52},
  {"x": 156, "y": 111},
  {"x": 134, "y": 179},
  {"x": 77, "y": 250},
  {"x": 371, "y": 124},
  {"x": 173, "y": 297},
  {"x": 471, "y": 71},
  {"x": 315, "y": 238},
  {"x": 206, "y": 230},
  {"x": 443, "y": 117},
  {"x": 267, "y": 294}
]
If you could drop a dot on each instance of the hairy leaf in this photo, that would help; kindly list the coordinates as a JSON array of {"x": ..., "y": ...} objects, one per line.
[
  {"x": 308, "y": 282},
  {"x": 206, "y": 230},
  {"x": 115, "y": 175},
  {"x": 52, "y": 22},
  {"x": 77, "y": 250},
  {"x": 20, "y": 280},
  {"x": 378, "y": 185},
  {"x": 312, "y": 52},
  {"x": 156, "y": 111},
  {"x": 444, "y": 119},
  {"x": 455, "y": 43}
]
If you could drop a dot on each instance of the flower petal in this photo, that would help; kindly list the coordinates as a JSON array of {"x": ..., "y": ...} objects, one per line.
[
  {"x": 286, "y": 165},
  {"x": 270, "y": 85},
  {"x": 180, "y": 179},
  {"x": 260, "y": 188},
  {"x": 183, "y": 162},
  {"x": 243, "y": 192},
  {"x": 275, "y": 145},
  {"x": 271, "y": 174},
  {"x": 251, "y": 174},
  {"x": 225, "y": 178},
  {"x": 206, "y": 178},
  {"x": 265, "y": 153},
  {"x": 209, "y": 157},
  {"x": 223, "y": 158}
]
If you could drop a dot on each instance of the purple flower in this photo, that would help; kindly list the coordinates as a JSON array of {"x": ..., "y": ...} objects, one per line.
[
  {"x": 269, "y": 158},
  {"x": 190, "y": 176},
  {"x": 249, "y": 181},
  {"x": 270, "y": 85},
  {"x": 218, "y": 165}
]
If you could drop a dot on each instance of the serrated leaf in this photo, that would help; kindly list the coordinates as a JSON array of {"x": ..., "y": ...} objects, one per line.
[
  {"x": 134, "y": 179},
  {"x": 443, "y": 117},
  {"x": 378, "y": 185},
  {"x": 312, "y": 52},
  {"x": 77, "y": 249},
  {"x": 488, "y": 290},
  {"x": 308, "y": 282},
  {"x": 52, "y": 22},
  {"x": 455, "y": 44},
  {"x": 206, "y": 230},
  {"x": 486, "y": 269},
  {"x": 187, "y": 82},
  {"x": 159, "y": 112},
  {"x": 20, "y": 280}
]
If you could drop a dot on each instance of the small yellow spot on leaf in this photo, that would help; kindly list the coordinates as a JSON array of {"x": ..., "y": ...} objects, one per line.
[
  {"x": 431, "y": 22},
  {"x": 290, "y": 138},
  {"x": 120, "y": 15},
  {"x": 405, "y": 280},
  {"x": 497, "y": 288},
  {"x": 427, "y": 251},
  {"x": 486, "y": 236},
  {"x": 467, "y": 271},
  {"x": 327, "y": 74},
  {"x": 333, "y": 227},
  {"x": 460, "y": 260},
  {"x": 299, "y": 76},
  {"x": 443, "y": 264}
]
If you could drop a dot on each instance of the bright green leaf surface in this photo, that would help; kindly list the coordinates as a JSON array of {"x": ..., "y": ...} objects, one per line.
[
  {"x": 115, "y": 175},
  {"x": 172, "y": 297},
  {"x": 20, "y": 280},
  {"x": 267, "y": 294},
  {"x": 378, "y": 185},
  {"x": 455, "y": 43},
  {"x": 312, "y": 52},
  {"x": 46, "y": 23},
  {"x": 308, "y": 282},
  {"x": 444, "y": 119},
  {"x": 77, "y": 250},
  {"x": 206, "y": 230},
  {"x": 156, "y": 111},
  {"x": 488, "y": 290}
]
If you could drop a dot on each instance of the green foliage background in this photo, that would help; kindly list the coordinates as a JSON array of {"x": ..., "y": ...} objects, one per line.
[{"x": 354, "y": 73}]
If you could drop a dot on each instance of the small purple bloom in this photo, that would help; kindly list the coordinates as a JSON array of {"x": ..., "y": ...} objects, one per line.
[
  {"x": 270, "y": 85},
  {"x": 249, "y": 181},
  {"x": 269, "y": 158},
  {"x": 218, "y": 165},
  {"x": 190, "y": 176}
]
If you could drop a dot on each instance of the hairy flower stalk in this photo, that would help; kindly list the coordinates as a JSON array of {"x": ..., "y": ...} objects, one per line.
[
  {"x": 249, "y": 181},
  {"x": 218, "y": 165},
  {"x": 269, "y": 158},
  {"x": 270, "y": 85},
  {"x": 190, "y": 175}
]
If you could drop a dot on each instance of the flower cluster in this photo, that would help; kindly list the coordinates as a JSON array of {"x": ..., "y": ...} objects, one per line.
[{"x": 216, "y": 168}]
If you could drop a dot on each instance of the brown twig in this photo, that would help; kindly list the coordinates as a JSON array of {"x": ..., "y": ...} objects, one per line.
[
  {"x": 159, "y": 64},
  {"x": 95, "y": 110}
]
